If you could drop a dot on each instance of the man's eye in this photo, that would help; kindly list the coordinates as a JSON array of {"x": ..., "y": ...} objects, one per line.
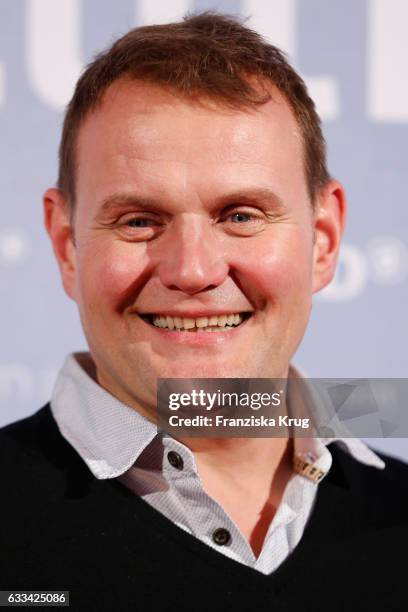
[
  {"x": 246, "y": 222},
  {"x": 243, "y": 217},
  {"x": 139, "y": 222},
  {"x": 138, "y": 228},
  {"x": 240, "y": 217}
]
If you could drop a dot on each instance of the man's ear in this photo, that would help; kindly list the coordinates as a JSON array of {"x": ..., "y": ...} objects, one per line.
[
  {"x": 58, "y": 226},
  {"x": 329, "y": 223}
]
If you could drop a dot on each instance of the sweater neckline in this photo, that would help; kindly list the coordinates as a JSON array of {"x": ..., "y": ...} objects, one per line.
[
  {"x": 331, "y": 516},
  {"x": 334, "y": 515}
]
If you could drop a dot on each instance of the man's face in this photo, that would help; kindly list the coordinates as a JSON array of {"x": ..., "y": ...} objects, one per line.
[{"x": 190, "y": 212}]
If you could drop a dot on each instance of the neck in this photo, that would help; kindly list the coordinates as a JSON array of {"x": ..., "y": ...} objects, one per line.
[
  {"x": 245, "y": 457},
  {"x": 249, "y": 461}
]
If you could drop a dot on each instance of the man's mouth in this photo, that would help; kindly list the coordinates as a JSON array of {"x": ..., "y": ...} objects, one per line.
[{"x": 210, "y": 323}]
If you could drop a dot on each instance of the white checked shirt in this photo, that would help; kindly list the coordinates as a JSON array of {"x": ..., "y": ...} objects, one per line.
[{"x": 115, "y": 441}]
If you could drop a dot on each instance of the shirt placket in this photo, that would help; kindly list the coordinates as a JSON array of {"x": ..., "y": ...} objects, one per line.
[{"x": 204, "y": 516}]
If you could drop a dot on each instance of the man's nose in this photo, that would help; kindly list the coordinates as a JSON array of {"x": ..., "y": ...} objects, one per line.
[{"x": 192, "y": 259}]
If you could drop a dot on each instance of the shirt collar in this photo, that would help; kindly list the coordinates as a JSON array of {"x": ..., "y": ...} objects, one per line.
[
  {"x": 107, "y": 434},
  {"x": 110, "y": 436},
  {"x": 312, "y": 452}
]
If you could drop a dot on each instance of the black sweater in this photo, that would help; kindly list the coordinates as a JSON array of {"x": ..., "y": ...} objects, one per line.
[{"x": 61, "y": 528}]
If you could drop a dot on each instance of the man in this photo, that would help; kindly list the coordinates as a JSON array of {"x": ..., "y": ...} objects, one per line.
[{"x": 193, "y": 197}]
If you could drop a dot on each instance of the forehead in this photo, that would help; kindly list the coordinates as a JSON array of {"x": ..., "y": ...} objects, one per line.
[{"x": 139, "y": 125}]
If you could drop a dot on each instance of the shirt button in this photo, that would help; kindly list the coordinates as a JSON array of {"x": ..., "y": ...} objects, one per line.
[
  {"x": 221, "y": 536},
  {"x": 175, "y": 460}
]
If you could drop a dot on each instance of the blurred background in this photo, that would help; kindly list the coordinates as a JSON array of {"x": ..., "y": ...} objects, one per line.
[{"x": 354, "y": 58}]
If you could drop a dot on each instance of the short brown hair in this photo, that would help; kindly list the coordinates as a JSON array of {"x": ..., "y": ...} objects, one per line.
[{"x": 207, "y": 55}]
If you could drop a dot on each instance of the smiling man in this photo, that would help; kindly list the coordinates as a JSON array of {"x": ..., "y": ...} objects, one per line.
[
  {"x": 198, "y": 213},
  {"x": 193, "y": 220}
]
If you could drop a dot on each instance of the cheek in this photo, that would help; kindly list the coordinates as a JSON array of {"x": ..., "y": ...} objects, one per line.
[
  {"x": 110, "y": 275},
  {"x": 281, "y": 269}
]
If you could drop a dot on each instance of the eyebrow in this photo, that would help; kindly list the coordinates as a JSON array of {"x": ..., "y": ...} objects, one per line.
[{"x": 119, "y": 201}]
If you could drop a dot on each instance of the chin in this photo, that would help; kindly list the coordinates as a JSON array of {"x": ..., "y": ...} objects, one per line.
[{"x": 200, "y": 370}]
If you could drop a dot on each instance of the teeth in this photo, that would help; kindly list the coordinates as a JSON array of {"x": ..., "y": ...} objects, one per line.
[
  {"x": 201, "y": 322},
  {"x": 209, "y": 324}
]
